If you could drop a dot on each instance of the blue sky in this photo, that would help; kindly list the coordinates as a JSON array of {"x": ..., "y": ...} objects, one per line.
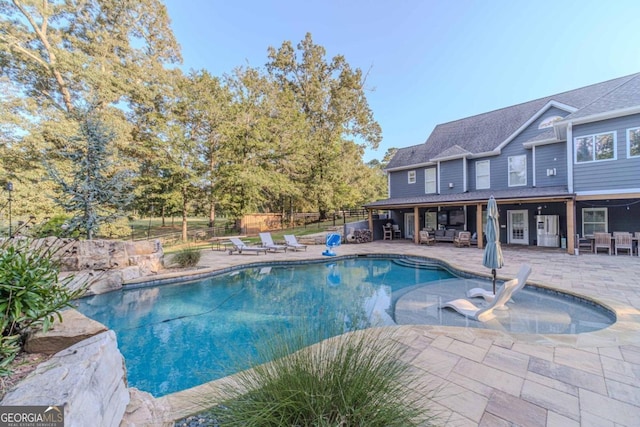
[{"x": 428, "y": 62}]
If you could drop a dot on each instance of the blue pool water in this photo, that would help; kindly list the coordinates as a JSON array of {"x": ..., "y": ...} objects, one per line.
[{"x": 178, "y": 336}]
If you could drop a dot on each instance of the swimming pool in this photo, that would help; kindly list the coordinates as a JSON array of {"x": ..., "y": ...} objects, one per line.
[{"x": 180, "y": 335}]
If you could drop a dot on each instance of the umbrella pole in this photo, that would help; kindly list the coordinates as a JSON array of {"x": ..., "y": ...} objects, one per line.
[{"x": 493, "y": 272}]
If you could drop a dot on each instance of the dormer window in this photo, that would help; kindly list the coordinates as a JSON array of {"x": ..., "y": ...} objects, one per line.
[{"x": 411, "y": 177}]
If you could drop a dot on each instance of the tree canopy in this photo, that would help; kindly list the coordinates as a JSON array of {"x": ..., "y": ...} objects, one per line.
[{"x": 289, "y": 136}]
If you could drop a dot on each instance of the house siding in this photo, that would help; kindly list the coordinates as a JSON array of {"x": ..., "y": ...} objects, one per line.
[
  {"x": 619, "y": 174},
  {"x": 399, "y": 185},
  {"x": 452, "y": 172},
  {"x": 551, "y": 156}
]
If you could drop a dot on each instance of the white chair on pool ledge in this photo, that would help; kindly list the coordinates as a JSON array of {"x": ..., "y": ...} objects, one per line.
[
  {"x": 488, "y": 296},
  {"x": 483, "y": 314}
]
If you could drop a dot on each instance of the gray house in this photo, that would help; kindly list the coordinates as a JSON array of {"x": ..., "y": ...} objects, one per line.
[{"x": 572, "y": 158}]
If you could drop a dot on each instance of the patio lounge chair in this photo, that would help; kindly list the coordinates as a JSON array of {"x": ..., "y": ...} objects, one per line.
[
  {"x": 462, "y": 239},
  {"x": 482, "y": 314},
  {"x": 267, "y": 242},
  {"x": 521, "y": 280},
  {"x": 292, "y": 242},
  {"x": 239, "y": 246}
]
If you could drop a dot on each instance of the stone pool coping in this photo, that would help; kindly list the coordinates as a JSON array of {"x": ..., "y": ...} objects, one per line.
[{"x": 553, "y": 379}]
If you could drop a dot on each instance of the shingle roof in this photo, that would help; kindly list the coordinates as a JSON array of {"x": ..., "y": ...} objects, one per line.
[
  {"x": 456, "y": 150},
  {"x": 485, "y": 132},
  {"x": 474, "y": 196}
]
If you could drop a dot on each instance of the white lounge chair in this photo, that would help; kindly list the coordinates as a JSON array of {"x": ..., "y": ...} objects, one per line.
[
  {"x": 292, "y": 242},
  {"x": 488, "y": 296},
  {"x": 267, "y": 242},
  {"x": 483, "y": 314},
  {"x": 239, "y": 246}
]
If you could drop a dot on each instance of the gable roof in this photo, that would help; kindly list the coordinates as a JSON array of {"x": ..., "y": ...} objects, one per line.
[{"x": 486, "y": 132}]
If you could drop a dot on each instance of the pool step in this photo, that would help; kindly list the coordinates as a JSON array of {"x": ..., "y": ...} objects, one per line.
[{"x": 416, "y": 263}]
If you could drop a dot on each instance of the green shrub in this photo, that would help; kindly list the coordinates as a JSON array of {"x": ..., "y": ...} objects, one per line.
[
  {"x": 31, "y": 296},
  {"x": 358, "y": 379},
  {"x": 54, "y": 226},
  {"x": 188, "y": 257}
]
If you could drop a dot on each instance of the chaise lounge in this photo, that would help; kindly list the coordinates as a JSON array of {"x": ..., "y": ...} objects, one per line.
[
  {"x": 521, "y": 280},
  {"x": 483, "y": 314},
  {"x": 292, "y": 242},
  {"x": 239, "y": 246},
  {"x": 267, "y": 242}
]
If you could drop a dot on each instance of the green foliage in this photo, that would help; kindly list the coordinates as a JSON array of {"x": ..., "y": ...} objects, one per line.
[
  {"x": 117, "y": 229},
  {"x": 31, "y": 296},
  {"x": 188, "y": 257},
  {"x": 357, "y": 379},
  {"x": 54, "y": 226}
]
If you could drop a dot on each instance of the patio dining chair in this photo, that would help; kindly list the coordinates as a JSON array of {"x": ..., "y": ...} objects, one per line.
[
  {"x": 386, "y": 232},
  {"x": 623, "y": 242},
  {"x": 397, "y": 234},
  {"x": 584, "y": 244},
  {"x": 602, "y": 241}
]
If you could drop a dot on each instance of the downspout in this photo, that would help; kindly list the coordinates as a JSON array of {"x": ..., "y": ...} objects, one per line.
[
  {"x": 570, "y": 158},
  {"x": 438, "y": 169},
  {"x": 533, "y": 163},
  {"x": 464, "y": 180}
]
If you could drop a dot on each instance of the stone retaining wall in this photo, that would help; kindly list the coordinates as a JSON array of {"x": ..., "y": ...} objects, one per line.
[{"x": 107, "y": 264}]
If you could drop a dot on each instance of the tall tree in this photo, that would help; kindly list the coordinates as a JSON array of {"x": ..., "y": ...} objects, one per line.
[
  {"x": 263, "y": 149},
  {"x": 59, "y": 56},
  {"x": 96, "y": 194},
  {"x": 332, "y": 97}
]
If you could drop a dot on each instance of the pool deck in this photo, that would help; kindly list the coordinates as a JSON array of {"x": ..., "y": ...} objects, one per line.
[{"x": 493, "y": 378}]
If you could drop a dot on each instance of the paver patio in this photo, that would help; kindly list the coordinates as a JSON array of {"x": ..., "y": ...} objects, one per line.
[{"x": 492, "y": 378}]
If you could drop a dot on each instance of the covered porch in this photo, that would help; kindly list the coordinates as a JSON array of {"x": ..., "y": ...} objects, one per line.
[{"x": 520, "y": 213}]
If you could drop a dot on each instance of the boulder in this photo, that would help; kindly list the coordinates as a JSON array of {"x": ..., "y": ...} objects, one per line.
[
  {"x": 144, "y": 410},
  {"x": 88, "y": 379},
  {"x": 74, "y": 328}
]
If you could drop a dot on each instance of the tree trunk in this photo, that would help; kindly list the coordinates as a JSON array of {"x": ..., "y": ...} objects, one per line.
[
  {"x": 184, "y": 216},
  {"x": 212, "y": 212}
]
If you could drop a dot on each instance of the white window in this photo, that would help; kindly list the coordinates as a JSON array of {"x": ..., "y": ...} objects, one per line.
[
  {"x": 431, "y": 220},
  {"x": 593, "y": 148},
  {"x": 594, "y": 220},
  {"x": 430, "y": 180},
  {"x": 517, "y": 170},
  {"x": 633, "y": 142},
  {"x": 483, "y": 177},
  {"x": 411, "y": 177}
]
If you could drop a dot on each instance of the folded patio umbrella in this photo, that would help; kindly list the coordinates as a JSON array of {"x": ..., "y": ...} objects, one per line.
[{"x": 493, "y": 251}]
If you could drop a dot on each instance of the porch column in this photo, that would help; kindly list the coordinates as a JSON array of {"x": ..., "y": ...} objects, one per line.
[
  {"x": 479, "y": 225},
  {"x": 571, "y": 227},
  {"x": 416, "y": 226},
  {"x": 370, "y": 211}
]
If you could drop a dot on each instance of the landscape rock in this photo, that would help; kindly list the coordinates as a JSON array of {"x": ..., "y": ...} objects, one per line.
[
  {"x": 88, "y": 379},
  {"x": 74, "y": 328},
  {"x": 143, "y": 410},
  {"x": 105, "y": 265}
]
